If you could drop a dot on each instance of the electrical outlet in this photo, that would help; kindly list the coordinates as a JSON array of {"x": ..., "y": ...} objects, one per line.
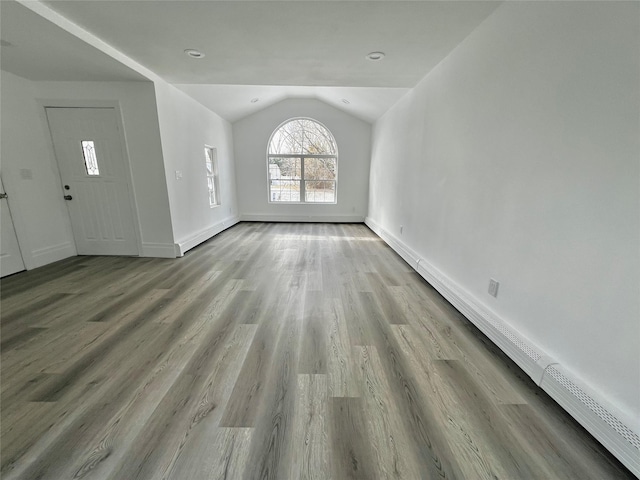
[
  {"x": 178, "y": 174},
  {"x": 401, "y": 228},
  {"x": 493, "y": 287}
]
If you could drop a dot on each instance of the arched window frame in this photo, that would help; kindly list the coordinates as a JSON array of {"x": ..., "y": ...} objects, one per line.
[{"x": 298, "y": 184}]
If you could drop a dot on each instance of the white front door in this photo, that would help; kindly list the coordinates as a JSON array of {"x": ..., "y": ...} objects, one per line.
[
  {"x": 89, "y": 148},
  {"x": 10, "y": 256}
]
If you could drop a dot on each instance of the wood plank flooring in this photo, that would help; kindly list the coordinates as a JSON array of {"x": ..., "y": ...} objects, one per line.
[{"x": 273, "y": 351}]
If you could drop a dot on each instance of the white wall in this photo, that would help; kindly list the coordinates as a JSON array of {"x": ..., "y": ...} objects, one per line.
[
  {"x": 38, "y": 210},
  {"x": 137, "y": 104},
  {"x": 186, "y": 127},
  {"x": 353, "y": 137},
  {"x": 40, "y": 215},
  {"x": 517, "y": 158}
]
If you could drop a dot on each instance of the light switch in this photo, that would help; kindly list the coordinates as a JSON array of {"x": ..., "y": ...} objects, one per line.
[
  {"x": 178, "y": 174},
  {"x": 493, "y": 287}
]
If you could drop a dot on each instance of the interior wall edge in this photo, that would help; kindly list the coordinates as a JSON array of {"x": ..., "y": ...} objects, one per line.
[
  {"x": 76, "y": 30},
  {"x": 608, "y": 424}
]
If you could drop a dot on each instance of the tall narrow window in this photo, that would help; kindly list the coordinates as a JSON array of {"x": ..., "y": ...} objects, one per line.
[
  {"x": 211, "y": 161},
  {"x": 302, "y": 163},
  {"x": 90, "y": 159}
]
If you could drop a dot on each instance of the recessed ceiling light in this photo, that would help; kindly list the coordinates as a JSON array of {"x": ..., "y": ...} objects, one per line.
[
  {"x": 375, "y": 56},
  {"x": 190, "y": 52},
  {"x": 345, "y": 101},
  {"x": 254, "y": 100}
]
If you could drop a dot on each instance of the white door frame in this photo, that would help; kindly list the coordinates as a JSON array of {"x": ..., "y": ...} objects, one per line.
[{"x": 44, "y": 104}]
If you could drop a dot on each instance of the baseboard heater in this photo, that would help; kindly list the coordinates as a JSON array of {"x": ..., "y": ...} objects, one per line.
[{"x": 618, "y": 438}]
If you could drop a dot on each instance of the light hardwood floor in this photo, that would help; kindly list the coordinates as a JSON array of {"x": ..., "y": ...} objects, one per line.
[{"x": 273, "y": 351}]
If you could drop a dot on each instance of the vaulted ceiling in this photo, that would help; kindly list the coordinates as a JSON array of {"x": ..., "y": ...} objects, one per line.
[{"x": 268, "y": 50}]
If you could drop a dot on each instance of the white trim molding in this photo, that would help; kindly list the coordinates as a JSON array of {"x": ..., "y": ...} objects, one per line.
[
  {"x": 594, "y": 416},
  {"x": 597, "y": 416},
  {"x": 158, "y": 250},
  {"x": 53, "y": 253},
  {"x": 266, "y": 217},
  {"x": 188, "y": 243}
]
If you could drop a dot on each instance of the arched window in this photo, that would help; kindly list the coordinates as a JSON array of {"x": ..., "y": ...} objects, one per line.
[{"x": 302, "y": 162}]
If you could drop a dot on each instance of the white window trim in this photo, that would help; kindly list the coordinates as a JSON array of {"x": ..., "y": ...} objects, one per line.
[
  {"x": 213, "y": 176},
  {"x": 302, "y": 180},
  {"x": 301, "y": 157}
]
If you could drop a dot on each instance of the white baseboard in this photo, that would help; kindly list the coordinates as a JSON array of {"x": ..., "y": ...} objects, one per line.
[
  {"x": 158, "y": 250},
  {"x": 194, "y": 240},
  {"x": 54, "y": 253},
  {"x": 400, "y": 248},
  {"x": 601, "y": 422},
  {"x": 598, "y": 417},
  {"x": 264, "y": 217}
]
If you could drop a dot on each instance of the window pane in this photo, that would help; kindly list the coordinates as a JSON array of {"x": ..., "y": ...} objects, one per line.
[
  {"x": 302, "y": 136},
  {"x": 90, "y": 160},
  {"x": 285, "y": 190},
  {"x": 300, "y": 150},
  {"x": 211, "y": 161},
  {"x": 284, "y": 179},
  {"x": 285, "y": 168},
  {"x": 317, "y": 191},
  {"x": 320, "y": 168}
]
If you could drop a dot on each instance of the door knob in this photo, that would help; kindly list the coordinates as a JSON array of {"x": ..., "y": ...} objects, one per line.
[
  {"x": 68, "y": 197},
  {"x": 3, "y": 195}
]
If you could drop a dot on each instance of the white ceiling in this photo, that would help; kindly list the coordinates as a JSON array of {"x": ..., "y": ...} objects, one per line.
[
  {"x": 282, "y": 42},
  {"x": 254, "y": 49},
  {"x": 35, "y": 48},
  {"x": 233, "y": 102}
]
